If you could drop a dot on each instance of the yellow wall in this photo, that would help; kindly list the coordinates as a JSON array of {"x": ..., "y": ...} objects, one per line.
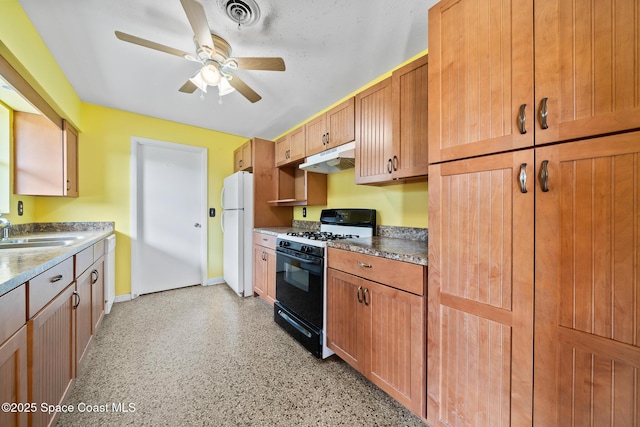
[{"x": 400, "y": 205}]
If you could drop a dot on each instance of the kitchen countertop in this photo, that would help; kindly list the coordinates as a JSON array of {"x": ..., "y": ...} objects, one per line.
[
  {"x": 405, "y": 250},
  {"x": 19, "y": 265}
]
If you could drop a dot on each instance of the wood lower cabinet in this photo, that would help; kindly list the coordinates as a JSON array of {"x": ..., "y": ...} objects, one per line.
[
  {"x": 51, "y": 358},
  {"x": 587, "y": 292},
  {"x": 379, "y": 329},
  {"x": 264, "y": 266},
  {"x": 83, "y": 321},
  {"x": 13, "y": 355},
  {"x": 97, "y": 294},
  {"x": 480, "y": 305}
]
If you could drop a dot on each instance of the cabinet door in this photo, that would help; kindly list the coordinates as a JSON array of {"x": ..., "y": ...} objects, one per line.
[
  {"x": 83, "y": 326},
  {"x": 237, "y": 160},
  {"x": 480, "y": 288},
  {"x": 374, "y": 145},
  {"x": 270, "y": 278},
  {"x": 282, "y": 150},
  {"x": 340, "y": 125},
  {"x": 297, "y": 141},
  {"x": 586, "y": 64},
  {"x": 259, "y": 271},
  {"x": 70, "y": 159},
  {"x": 13, "y": 377},
  {"x": 587, "y": 346},
  {"x": 396, "y": 344},
  {"x": 480, "y": 74},
  {"x": 409, "y": 89},
  {"x": 97, "y": 294},
  {"x": 38, "y": 155},
  {"x": 345, "y": 329},
  {"x": 247, "y": 156},
  {"x": 50, "y": 354},
  {"x": 316, "y": 131}
]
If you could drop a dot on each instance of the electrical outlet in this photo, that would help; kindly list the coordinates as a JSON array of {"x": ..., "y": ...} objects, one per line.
[
  {"x": 20, "y": 208},
  {"x": 304, "y": 212},
  {"x": 212, "y": 212}
]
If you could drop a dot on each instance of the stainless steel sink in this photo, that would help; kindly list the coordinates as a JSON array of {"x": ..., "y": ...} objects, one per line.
[{"x": 38, "y": 242}]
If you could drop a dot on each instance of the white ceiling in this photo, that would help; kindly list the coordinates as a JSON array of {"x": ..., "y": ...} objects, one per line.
[{"x": 330, "y": 48}]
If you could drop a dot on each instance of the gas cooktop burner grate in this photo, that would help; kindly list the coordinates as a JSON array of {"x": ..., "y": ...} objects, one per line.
[{"x": 322, "y": 236}]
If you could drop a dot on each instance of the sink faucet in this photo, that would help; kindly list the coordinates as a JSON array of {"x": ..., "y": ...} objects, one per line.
[{"x": 5, "y": 225}]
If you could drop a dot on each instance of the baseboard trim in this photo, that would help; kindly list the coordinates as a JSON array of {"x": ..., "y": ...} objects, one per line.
[
  {"x": 214, "y": 281},
  {"x": 122, "y": 298}
]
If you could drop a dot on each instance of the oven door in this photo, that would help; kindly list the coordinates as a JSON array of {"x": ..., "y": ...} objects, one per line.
[{"x": 299, "y": 285}]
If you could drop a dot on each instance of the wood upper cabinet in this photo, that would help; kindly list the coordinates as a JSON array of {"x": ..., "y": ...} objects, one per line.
[
  {"x": 333, "y": 128},
  {"x": 45, "y": 156},
  {"x": 374, "y": 144},
  {"x": 480, "y": 288},
  {"x": 586, "y": 66},
  {"x": 264, "y": 267},
  {"x": 377, "y": 328},
  {"x": 291, "y": 147},
  {"x": 70, "y": 159},
  {"x": 409, "y": 95},
  {"x": 587, "y": 299},
  {"x": 480, "y": 74},
  {"x": 243, "y": 157}
]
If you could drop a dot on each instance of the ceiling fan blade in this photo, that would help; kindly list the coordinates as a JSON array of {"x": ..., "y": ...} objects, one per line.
[
  {"x": 152, "y": 45},
  {"x": 268, "y": 64},
  {"x": 244, "y": 90},
  {"x": 198, "y": 20},
  {"x": 188, "y": 87}
]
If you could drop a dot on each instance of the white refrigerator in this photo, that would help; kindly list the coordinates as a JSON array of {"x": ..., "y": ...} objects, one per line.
[{"x": 236, "y": 221}]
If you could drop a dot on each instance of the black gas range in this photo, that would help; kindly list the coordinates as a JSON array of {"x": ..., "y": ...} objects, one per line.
[{"x": 301, "y": 266}]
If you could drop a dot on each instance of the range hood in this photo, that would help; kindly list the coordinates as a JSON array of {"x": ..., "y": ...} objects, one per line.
[{"x": 333, "y": 160}]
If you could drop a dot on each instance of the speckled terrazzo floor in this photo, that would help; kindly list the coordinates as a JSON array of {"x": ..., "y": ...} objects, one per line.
[{"x": 202, "y": 356}]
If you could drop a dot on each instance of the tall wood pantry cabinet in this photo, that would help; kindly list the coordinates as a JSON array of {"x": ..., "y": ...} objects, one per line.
[{"x": 572, "y": 195}]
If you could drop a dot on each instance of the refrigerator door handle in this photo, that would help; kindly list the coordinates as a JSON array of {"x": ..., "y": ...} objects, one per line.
[
  {"x": 222, "y": 221},
  {"x": 222, "y": 198}
]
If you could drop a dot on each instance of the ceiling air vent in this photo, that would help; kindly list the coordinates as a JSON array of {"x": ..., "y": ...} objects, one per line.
[{"x": 242, "y": 12}]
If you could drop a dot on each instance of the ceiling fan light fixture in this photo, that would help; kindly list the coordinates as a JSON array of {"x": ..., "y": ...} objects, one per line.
[
  {"x": 200, "y": 84},
  {"x": 225, "y": 88},
  {"x": 210, "y": 74}
]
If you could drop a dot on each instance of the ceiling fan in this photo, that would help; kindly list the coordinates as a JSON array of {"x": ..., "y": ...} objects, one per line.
[{"x": 214, "y": 53}]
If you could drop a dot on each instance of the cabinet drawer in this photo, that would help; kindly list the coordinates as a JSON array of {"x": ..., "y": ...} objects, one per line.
[
  {"x": 98, "y": 250},
  {"x": 13, "y": 308},
  {"x": 44, "y": 287},
  {"x": 266, "y": 240},
  {"x": 401, "y": 275},
  {"x": 84, "y": 259}
]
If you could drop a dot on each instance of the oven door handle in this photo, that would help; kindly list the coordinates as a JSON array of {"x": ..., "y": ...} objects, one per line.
[
  {"x": 306, "y": 261},
  {"x": 295, "y": 324}
]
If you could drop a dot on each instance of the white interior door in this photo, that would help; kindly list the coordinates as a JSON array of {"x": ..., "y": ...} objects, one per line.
[{"x": 169, "y": 216}]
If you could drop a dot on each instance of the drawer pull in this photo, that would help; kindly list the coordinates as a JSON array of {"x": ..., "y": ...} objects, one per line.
[
  {"x": 55, "y": 279},
  {"x": 361, "y": 264}
]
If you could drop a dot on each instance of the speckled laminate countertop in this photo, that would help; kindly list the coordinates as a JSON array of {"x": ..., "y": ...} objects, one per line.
[
  {"x": 412, "y": 251},
  {"x": 20, "y": 265},
  {"x": 406, "y": 250}
]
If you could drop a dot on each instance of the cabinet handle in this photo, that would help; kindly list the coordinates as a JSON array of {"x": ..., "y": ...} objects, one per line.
[
  {"x": 523, "y": 177},
  {"x": 522, "y": 118},
  {"x": 328, "y": 139},
  {"x": 395, "y": 163},
  {"x": 544, "y": 176},
  {"x": 77, "y": 295},
  {"x": 366, "y": 300},
  {"x": 95, "y": 276},
  {"x": 240, "y": 163},
  {"x": 544, "y": 113},
  {"x": 68, "y": 185},
  {"x": 55, "y": 279},
  {"x": 389, "y": 166},
  {"x": 360, "y": 294},
  {"x": 364, "y": 265},
  {"x": 324, "y": 139}
]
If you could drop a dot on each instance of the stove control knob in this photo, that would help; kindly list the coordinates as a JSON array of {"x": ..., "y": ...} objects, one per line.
[{"x": 284, "y": 243}]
